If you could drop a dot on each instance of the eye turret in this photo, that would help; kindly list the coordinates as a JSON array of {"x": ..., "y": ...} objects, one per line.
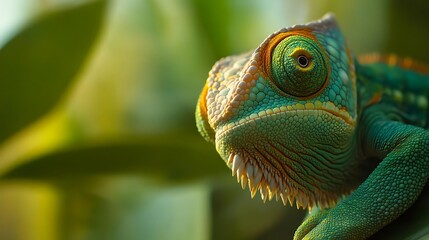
[{"x": 299, "y": 66}]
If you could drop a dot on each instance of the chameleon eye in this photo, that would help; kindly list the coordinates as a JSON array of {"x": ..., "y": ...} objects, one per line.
[{"x": 299, "y": 66}]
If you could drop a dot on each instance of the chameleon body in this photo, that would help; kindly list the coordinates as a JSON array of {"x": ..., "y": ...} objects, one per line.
[{"x": 301, "y": 119}]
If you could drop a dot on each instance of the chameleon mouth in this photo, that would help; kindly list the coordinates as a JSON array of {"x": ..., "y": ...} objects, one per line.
[
  {"x": 273, "y": 183},
  {"x": 269, "y": 182},
  {"x": 259, "y": 178}
]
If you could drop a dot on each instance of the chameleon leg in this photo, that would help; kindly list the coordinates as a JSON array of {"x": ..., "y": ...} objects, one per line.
[
  {"x": 389, "y": 190},
  {"x": 311, "y": 222}
]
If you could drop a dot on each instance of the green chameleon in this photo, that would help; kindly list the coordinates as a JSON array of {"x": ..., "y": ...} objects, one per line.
[{"x": 301, "y": 119}]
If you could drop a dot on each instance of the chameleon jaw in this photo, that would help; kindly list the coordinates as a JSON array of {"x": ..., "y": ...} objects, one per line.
[{"x": 273, "y": 172}]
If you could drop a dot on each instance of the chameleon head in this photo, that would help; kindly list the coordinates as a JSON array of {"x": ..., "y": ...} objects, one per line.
[{"x": 283, "y": 117}]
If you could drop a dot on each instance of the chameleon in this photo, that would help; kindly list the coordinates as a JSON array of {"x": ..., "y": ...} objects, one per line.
[{"x": 301, "y": 118}]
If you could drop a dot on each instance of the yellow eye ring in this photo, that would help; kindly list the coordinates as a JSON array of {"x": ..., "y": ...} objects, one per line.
[{"x": 303, "y": 59}]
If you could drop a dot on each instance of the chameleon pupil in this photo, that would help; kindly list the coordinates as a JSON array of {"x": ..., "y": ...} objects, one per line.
[{"x": 303, "y": 61}]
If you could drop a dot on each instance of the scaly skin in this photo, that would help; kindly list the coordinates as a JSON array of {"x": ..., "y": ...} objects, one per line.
[{"x": 300, "y": 118}]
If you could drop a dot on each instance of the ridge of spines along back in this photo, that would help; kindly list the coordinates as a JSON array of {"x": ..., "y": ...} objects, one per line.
[{"x": 394, "y": 60}]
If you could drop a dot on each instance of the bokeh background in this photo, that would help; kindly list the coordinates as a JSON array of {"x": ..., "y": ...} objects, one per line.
[{"x": 97, "y": 99}]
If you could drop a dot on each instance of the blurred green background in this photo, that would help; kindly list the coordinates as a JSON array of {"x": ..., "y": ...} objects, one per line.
[{"x": 97, "y": 99}]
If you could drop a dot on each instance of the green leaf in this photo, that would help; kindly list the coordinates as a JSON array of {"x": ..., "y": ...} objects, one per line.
[
  {"x": 131, "y": 207},
  {"x": 37, "y": 66},
  {"x": 175, "y": 156},
  {"x": 212, "y": 26}
]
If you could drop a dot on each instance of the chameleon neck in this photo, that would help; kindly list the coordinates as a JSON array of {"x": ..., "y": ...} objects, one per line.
[{"x": 401, "y": 87}]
